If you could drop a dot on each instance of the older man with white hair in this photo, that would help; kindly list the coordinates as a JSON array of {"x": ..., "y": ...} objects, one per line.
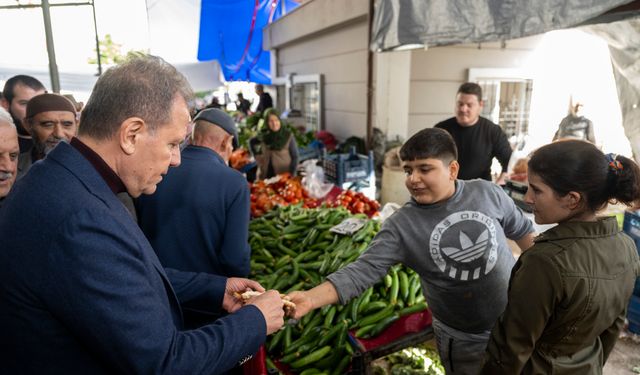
[{"x": 9, "y": 151}]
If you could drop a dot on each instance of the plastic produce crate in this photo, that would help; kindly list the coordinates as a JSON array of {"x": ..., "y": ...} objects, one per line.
[
  {"x": 351, "y": 167},
  {"x": 309, "y": 152},
  {"x": 631, "y": 226},
  {"x": 406, "y": 332}
]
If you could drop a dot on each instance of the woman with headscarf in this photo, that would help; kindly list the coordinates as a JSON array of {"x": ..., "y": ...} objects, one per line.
[{"x": 278, "y": 149}]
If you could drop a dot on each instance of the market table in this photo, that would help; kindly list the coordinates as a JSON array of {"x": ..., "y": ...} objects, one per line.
[{"x": 406, "y": 332}]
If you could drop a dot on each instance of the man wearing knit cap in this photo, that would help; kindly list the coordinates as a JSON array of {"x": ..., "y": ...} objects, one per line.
[
  {"x": 50, "y": 118},
  {"x": 198, "y": 218}
]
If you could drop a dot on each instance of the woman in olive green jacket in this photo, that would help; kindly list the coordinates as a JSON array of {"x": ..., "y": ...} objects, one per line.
[{"x": 568, "y": 293}]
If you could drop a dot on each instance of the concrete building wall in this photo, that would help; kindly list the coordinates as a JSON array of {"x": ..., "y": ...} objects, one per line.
[
  {"x": 328, "y": 37},
  {"x": 412, "y": 89},
  {"x": 437, "y": 73}
]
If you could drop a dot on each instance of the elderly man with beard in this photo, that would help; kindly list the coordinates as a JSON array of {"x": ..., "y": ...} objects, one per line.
[
  {"x": 9, "y": 151},
  {"x": 50, "y": 118}
]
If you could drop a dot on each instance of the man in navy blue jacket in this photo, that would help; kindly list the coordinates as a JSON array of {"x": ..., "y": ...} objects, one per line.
[
  {"x": 81, "y": 290},
  {"x": 198, "y": 218}
]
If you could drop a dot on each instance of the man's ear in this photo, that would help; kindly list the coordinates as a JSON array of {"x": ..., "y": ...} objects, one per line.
[
  {"x": 131, "y": 131},
  {"x": 454, "y": 168},
  {"x": 5, "y": 104}
]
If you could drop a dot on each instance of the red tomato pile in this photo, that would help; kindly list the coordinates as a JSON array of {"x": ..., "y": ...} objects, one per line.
[
  {"x": 356, "y": 203},
  {"x": 283, "y": 192},
  {"x": 239, "y": 158}
]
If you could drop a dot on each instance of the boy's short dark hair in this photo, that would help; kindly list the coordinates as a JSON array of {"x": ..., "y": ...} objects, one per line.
[
  {"x": 429, "y": 143},
  {"x": 471, "y": 88}
]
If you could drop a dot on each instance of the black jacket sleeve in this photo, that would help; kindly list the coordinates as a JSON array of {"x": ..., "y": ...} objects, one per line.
[{"x": 501, "y": 147}]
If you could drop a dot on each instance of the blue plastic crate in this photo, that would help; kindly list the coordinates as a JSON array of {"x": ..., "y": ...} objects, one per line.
[
  {"x": 631, "y": 226},
  {"x": 351, "y": 167},
  {"x": 309, "y": 152},
  {"x": 633, "y": 314}
]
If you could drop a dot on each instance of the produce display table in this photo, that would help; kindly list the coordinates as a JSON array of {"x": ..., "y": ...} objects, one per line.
[
  {"x": 408, "y": 331},
  {"x": 295, "y": 248}
]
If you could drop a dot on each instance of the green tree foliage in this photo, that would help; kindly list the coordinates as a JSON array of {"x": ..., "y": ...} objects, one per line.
[{"x": 111, "y": 52}]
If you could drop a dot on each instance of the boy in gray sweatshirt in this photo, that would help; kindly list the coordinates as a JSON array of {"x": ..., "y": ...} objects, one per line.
[{"x": 453, "y": 234}]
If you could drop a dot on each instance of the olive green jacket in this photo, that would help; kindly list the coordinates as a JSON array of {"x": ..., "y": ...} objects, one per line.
[{"x": 568, "y": 297}]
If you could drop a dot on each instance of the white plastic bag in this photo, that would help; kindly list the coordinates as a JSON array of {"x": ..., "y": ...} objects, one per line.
[{"x": 313, "y": 180}]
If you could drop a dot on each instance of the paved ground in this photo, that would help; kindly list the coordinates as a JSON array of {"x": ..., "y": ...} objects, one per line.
[{"x": 625, "y": 357}]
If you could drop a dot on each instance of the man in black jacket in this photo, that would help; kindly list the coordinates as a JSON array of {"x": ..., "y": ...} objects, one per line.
[
  {"x": 265, "y": 99},
  {"x": 478, "y": 139}
]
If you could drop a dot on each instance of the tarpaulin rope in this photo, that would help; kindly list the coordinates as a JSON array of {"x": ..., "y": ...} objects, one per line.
[
  {"x": 236, "y": 68},
  {"x": 272, "y": 12}
]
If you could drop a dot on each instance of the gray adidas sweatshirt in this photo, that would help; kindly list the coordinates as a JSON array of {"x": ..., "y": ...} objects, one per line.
[{"x": 458, "y": 248}]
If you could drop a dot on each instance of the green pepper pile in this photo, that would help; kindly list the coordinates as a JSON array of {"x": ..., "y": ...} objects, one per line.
[{"x": 294, "y": 249}]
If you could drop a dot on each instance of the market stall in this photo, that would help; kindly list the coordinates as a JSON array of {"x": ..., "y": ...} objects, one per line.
[{"x": 295, "y": 248}]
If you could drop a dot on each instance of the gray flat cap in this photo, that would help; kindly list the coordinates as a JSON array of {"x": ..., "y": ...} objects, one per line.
[{"x": 220, "y": 118}]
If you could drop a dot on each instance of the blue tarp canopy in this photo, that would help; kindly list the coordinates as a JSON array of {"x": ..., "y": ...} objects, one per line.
[{"x": 231, "y": 32}]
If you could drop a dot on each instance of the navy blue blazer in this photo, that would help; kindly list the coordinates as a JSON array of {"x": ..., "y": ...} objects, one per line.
[
  {"x": 82, "y": 292},
  {"x": 198, "y": 218}
]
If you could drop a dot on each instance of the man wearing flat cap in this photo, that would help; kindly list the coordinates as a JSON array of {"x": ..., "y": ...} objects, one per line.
[
  {"x": 50, "y": 118},
  {"x": 198, "y": 218}
]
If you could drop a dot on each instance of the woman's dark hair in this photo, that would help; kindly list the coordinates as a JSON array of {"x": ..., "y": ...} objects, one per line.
[
  {"x": 573, "y": 165},
  {"x": 429, "y": 143}
]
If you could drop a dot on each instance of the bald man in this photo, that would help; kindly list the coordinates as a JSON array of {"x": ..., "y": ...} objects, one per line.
[
  {"x": 9, "y": 151},
  {"x": 198, "y": 219},
  {"x": 50, "y": 119}
]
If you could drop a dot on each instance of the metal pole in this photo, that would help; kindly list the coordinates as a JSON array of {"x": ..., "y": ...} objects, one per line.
[
  {"x": 53, "y": 66},
  {"x": 95, "y": 29},
  {"x": 370, "y": 93}
]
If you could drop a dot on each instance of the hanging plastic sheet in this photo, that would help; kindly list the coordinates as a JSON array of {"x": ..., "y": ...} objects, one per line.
[
  {"x": 231, "y": 32},
  {"x": 623, "y": 38},
  {"x": 426, "y": 23}
]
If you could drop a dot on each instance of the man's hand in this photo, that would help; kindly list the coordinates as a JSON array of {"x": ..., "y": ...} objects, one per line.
[
  {"x": 234, "y": 284},
  {"x": 303, "y": 302},
  {"x": 270, "y": 305}
]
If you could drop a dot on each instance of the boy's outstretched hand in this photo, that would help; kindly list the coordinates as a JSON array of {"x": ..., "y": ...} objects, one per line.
[
  {"x": 322, "y": 295},
  {"x": 303, "y": 303}
]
